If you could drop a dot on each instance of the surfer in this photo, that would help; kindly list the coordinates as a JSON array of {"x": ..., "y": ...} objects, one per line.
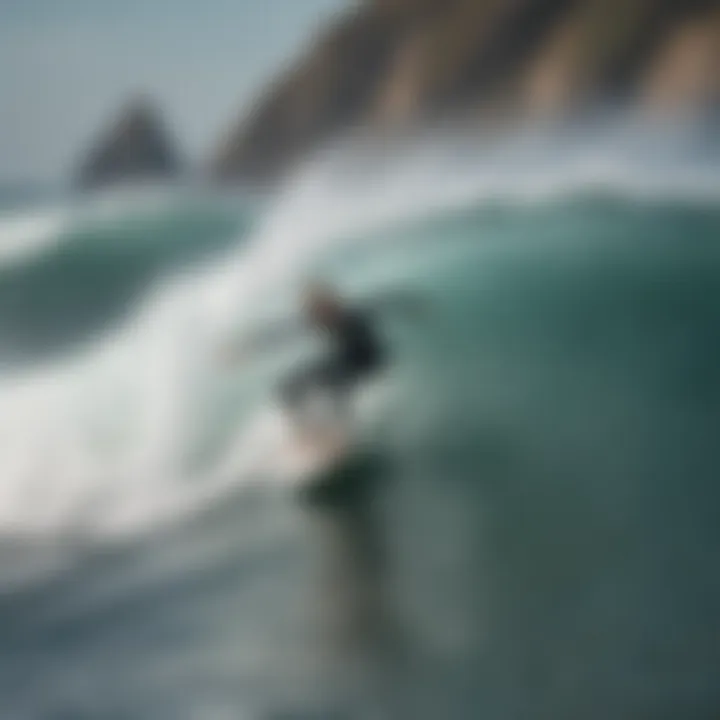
[{"x": 356, "y": 351}]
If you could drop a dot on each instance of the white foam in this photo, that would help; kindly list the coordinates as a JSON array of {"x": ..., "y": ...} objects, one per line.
[{"x": 23, "y": 235}]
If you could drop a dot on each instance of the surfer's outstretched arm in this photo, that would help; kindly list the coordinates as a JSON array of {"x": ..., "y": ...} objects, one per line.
[{"x": 261, "y": 340}]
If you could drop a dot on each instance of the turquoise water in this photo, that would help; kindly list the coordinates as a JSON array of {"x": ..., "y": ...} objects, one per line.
[{"x": 534, "y": 532}]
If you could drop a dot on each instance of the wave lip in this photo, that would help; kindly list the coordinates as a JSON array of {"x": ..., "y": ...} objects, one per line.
[{"x": 24, "y": 235}]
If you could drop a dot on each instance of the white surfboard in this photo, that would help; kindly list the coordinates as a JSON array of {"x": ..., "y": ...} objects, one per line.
[
  {"x": 304, "y": 458},
  {"x": 272, "y": 450}
]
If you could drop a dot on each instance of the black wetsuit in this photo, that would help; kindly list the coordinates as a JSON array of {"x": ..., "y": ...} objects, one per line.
[{"x": 355, "y": 352}]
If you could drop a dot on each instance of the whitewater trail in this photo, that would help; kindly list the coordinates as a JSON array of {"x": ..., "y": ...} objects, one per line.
[{"x": 60, "y": 471}]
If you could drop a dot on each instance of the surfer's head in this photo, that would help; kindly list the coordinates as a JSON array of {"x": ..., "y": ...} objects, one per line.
[{"x": 321, "y": 302}]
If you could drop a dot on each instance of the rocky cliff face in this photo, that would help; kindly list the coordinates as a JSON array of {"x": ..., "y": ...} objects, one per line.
[
  {"x": 136, "y": 148},
  {"x": 394, "y": 64}
]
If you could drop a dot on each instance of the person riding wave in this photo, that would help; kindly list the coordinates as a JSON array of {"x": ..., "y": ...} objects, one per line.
[{"x": 356, "y": 351}]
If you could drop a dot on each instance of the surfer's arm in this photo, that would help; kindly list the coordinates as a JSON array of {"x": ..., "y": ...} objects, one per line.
[{"x": 262, "y": 340}]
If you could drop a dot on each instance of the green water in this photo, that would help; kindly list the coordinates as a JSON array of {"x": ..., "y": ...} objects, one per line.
[{"x": 535, "y": 534}]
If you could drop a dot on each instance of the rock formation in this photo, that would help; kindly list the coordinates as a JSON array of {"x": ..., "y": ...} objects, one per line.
[{"x": 137, "y": 147}]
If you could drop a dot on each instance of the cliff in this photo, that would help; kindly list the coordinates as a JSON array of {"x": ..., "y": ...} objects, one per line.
[
  {"x": 137, "y": 147},
  {"x": 391, "y": 65}
]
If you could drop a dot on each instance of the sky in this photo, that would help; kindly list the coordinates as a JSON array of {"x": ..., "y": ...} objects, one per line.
[{"x": 67, "y": 67}]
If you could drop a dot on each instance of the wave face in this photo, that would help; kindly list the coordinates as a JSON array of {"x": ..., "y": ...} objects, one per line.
[{"x": 533, "y": 532}]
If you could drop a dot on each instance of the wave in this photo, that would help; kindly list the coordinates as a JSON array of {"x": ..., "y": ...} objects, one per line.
[
  {"x": 547, "y": 479},
  {"x": 71, "y": 273},
  {"x": 133, "y": 431}
]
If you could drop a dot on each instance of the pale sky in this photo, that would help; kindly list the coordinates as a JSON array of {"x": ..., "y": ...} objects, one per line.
[{"x": 66, "y": 67}]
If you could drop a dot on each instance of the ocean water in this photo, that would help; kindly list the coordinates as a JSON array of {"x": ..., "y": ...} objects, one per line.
[{"x": 533, "y": 531}]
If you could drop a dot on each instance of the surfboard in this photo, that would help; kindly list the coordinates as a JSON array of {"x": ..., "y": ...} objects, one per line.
[
  {"x": 270, "y": 451},
  {"x": 308, "y": 457},
  {"x": 318, "y": 447}
]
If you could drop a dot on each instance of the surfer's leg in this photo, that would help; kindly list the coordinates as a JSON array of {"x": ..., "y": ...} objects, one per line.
[
  {"x": 294, "y": 389},
  {"x": 330, "y": 382},
  {"x": 297, "y": 392},
  {"x": 340, "y": 382}
]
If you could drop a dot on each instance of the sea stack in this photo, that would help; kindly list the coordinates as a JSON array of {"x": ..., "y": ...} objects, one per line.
[
  {"x": 389, "y": 66},
  {"x": 137, "y": 147}
]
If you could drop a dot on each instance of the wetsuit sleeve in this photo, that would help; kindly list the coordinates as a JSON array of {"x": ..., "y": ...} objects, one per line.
[
  {"x": 275, "y": 333},
  {"x": 267, "y": 337}
]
